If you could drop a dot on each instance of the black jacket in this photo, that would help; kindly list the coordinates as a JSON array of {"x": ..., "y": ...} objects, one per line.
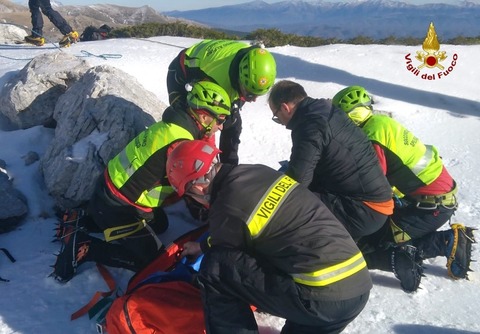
[
  {"x": 302, "y": 236},
  {"x": 331, "y": 154}
]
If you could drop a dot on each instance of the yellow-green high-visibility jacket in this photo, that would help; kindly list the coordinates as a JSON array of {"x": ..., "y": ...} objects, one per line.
[
  {"x": 217, "y": 60},
  {"x": 138, "y": 172},
  {"x": 409, "y": 164}
]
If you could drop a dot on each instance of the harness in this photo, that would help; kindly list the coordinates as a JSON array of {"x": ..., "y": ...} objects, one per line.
[{"x": 432, "y": 202}]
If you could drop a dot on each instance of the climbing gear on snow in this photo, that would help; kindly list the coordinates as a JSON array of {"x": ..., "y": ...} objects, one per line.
[
  {"x": 69, "y": 39},
  {"x": 459, "y": 242},
  {"x": 406, "y": 267},
  {"x": 35, "y": 40},
  {"x": 72, "y": 253}
]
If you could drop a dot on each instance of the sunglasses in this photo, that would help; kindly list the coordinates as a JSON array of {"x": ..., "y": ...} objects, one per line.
[
  {"x": 275, "y": 117},
  {"x": 246, "y": 94},
  {"x": 217, "y": 119}
]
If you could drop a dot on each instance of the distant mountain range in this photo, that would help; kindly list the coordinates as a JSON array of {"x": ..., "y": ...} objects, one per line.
[{"x": 372, "y": 18}]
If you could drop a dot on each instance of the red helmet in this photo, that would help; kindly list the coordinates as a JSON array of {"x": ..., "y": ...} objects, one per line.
[{"x": 189, "y": 161}]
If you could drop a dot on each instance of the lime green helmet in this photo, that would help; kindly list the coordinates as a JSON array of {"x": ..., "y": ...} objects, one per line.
[
  {"x": 209, "y": 96},
  {"x": 351, "y": 97},
  {"x": 356, "y": 102},
  {"x": 257, "y": 71}
]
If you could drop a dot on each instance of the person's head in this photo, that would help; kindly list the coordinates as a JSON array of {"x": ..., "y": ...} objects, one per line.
[
  {"x": 257, "y": 73},
  {"x": 283, "y": 100},
  {"x": 356, "y": 102},
  {"x": 191, "y": 167},
  {"x": 210, "y": 105}
]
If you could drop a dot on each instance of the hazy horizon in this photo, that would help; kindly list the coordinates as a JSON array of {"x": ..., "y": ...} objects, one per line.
[{"x": 193, "y": 4}]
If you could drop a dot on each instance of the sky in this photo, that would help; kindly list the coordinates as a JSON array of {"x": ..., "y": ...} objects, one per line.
[
  {"x": 443, "y": 111},
  {"x": 183, "y": 5}
]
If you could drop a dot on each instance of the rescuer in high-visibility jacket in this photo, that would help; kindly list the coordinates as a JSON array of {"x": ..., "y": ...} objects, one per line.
[
  {"x": 424, "y": 190},
  {"x": 128, "y": 199},
  {"x": 272, "y": 244},
  {"x": 244, "y": 71}
]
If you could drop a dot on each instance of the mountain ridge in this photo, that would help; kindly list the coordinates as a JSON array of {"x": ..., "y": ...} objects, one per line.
[{"x": 372, "y": 18}]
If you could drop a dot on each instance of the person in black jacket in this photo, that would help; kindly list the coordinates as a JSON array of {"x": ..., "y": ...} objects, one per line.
[
  {"x": 334, "y": 158},
  {"x": 272, "y": 245}
]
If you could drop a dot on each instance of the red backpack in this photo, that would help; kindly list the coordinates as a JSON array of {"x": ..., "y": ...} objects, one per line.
[{"x": 159, "y": 298}]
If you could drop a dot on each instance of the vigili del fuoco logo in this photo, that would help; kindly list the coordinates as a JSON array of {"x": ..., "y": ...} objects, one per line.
[{"x": 431, "y": 61}]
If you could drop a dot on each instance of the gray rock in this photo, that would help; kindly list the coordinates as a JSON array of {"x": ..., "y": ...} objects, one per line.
[
  {"x": 96, "y": 118},
  {"x": 13, "y": 205},
  {"x": 29, "y": 98},
  {"x": 9, "y": 34}
]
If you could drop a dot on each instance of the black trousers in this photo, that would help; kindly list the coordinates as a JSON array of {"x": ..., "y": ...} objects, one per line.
[
  {"x": 132, "y": 252},
  {"x": 359, "y": 220},
  {"x": 54, "y": 16},
  {"x": 420, "y": 224},
  {"x": 231, "y": 281},
  {"x": 232, "y": 128}
]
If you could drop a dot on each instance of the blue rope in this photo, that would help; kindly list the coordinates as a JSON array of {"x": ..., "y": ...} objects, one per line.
[{"x": 103, "y": 56}]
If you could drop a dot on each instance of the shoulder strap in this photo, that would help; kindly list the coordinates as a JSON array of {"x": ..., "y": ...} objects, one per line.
[{"x": 96, "y": 299}]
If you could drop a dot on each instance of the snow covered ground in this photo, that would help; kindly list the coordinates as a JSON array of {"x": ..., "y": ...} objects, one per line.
[{"x": 443, "y": 111}]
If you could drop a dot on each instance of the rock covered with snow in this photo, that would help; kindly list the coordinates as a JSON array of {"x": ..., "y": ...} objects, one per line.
[
  {"x": 10, "y": 33},
  {"x": 29, "y": 98},
  {"x": 96, "y": 118}
]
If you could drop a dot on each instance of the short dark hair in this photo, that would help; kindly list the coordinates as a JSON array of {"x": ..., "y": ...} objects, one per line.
[{"x": 286, "y": 91}]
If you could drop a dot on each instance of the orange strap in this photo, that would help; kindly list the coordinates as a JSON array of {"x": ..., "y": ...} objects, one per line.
[{"x": 111, "y": 285}]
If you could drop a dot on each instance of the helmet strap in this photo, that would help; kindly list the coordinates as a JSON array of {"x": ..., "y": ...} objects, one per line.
[{"x": 205, "y": 128}]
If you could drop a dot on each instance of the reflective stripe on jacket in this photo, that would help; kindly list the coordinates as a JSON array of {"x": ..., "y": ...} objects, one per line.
[
  {"x": 138, "y": 171},
  {"x": 262, "y": 216},
  {"x": 410, "y": 163}
]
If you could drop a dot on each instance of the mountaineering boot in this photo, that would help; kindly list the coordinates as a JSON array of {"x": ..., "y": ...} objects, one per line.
[
  {"x": 69, "y": 39},
  {"x": 458, "y": 250},
  {"x": 70, "y": 222},
  {"x": 406, "y": 267},
  {"x": 35, "y": 40},
  {"x": 72, "y": 254},
  {"x": 402, "y": 261}
]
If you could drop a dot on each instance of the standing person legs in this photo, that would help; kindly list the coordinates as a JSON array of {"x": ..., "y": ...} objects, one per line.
[
  {"x": 37, "y": 19},
  {"x": 55, "y": 17}
]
